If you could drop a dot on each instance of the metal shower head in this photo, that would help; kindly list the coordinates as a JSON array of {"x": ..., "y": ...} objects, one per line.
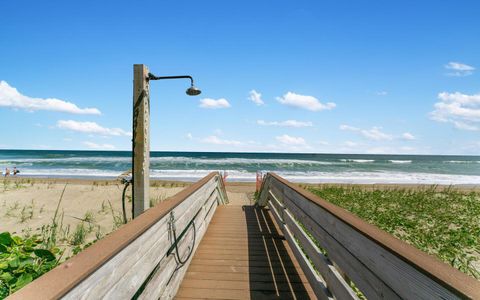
[{"x": 193, "y": 91}]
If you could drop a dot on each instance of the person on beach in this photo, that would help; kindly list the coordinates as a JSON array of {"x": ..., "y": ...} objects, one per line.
[
  {"x": 7, "y": 172},
  {"x": 15, "y": 171}
]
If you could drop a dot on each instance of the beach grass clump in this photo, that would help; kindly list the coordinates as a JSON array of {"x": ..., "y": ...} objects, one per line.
[
  {"x": 157, "y": 199},
  {"x": 444, "y": 223},
  {"x": 22, "y": 260},
  {"x": 27, "y": 212},
  {"x": 117, "y": 217},
  {"x": 79, "y": 235},
  {"x": 10, "y": 210}
]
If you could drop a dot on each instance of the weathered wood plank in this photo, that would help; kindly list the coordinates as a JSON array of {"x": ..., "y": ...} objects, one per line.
[
  {"x": 240, "y": 285},
  {"x": 316, "y": 283},
  {"x": 391, "y": 261},
  {"x": 141, "y": 140},
  {"x": 207, "y": 213},
  {"x": 242, "y": 277},
  {"x": 367, "y": 281},
  {"x": 334, "y": 281},
  {"x": 158, "y": 284},
  {"x": 127, "y": 269},
  {"x": 264, "y": 191},
  {"x": 401, "y": 277},
  {"x": 259, "y": 263}
]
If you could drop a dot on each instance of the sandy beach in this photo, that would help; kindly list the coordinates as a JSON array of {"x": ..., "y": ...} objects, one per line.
[{"x": 27, "y": 204}]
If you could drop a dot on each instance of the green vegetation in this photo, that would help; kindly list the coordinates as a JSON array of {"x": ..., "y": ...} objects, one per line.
[
  {"x": 35, "y": 251},
  {"x": 79, "y": 235},
  {"x": 445, "y": 223},
  {"x": 157, "y": 199},
  {"x": 23, "y": 260},
  {"x": 117, "y": 217}
]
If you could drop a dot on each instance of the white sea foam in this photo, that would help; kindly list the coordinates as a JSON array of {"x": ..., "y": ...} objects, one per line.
[
  {"x": 167, "y": 159},
  {"x": 307, "y": 177},
  {"x": 70, "y": 173},
  {"x": 393, "y": 161},
  {"x": 362, "y": 161},
  {"x": 460, "y": 161}
]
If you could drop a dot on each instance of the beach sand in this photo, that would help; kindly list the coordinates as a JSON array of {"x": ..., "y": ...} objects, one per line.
[{"x": 27, "y": 204}]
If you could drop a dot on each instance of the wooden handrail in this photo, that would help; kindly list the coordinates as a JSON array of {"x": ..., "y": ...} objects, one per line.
[
  {"x": 75, "y": 272},
  {"x": 379, "y": 264}
]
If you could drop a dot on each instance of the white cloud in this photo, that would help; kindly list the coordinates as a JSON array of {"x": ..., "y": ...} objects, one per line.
[
  {"x": 459, "y": 69},
  {"x": 306, "y": 102},
  {"x": 95, "y": 146},
  {"x": 381, "y": 93},
  {"x": 348, "y": 127},
  {"x": 408, "y": 136},
  {"x": 10, "y": 97},
  {"x": 213, "y": 139},
  {"x": 287, "y": 123},
  {"x": 462, "y": 110},
  {"x": 189, "y": 136},
  {"x": 214, "y": 104},
  {"x": 91, "y": 127},
  {"x": 373, "y": 133},
  {"x": 255, "y": 97},
  {"x": 465, "y": 126},
  {"x": 291, "y": 140}
]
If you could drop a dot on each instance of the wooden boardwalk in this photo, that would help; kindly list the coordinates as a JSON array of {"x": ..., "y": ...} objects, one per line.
[
  {"x": 250, "y": 252},
  {"x": 244, "y": 256}
]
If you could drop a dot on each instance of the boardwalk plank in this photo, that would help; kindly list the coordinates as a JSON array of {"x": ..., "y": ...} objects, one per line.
[{"x": 244, "y": 256}]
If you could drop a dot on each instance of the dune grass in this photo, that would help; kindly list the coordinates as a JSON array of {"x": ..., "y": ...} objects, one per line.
[
  {"x": 24, "y": 258},
  {"x": 444, "y": 223}
]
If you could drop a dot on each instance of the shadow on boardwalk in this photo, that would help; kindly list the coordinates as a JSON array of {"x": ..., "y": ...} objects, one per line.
[{"x": 272, "y": 272}]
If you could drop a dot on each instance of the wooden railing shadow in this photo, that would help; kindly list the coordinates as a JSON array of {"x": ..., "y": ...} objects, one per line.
[
  {"x": 272, "y": 272},
  {"x": 345, "y": 257}
]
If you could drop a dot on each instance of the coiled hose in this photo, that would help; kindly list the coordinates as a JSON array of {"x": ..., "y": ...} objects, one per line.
[
  {"x": 176, "y": 240},
  {"x": 126, "y": 182}
]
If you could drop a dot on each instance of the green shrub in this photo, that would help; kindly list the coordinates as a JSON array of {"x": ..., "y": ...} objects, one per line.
[
  {"x": 22, "y": 260},
  {"x": 444, "y": 223}
]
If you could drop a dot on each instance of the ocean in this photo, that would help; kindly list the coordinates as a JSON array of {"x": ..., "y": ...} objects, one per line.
[{"x": 311, "y": 168}]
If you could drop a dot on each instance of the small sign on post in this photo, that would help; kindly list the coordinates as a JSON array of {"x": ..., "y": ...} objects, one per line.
[{"x": 141, "y": 140}]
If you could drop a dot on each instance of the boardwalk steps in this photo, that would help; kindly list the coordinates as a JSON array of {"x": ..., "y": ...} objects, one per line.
[{"x": 290, "y": 245}]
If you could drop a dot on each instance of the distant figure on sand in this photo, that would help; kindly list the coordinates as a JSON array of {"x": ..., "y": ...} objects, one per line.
[
  {"x": 7, "y": 172},
  {"x": 15, "y": 171}
]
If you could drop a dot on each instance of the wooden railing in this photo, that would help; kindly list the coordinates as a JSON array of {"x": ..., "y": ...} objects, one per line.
[
  {"x": 339, "y": 252},
  {"x": 138, "y": 260}
]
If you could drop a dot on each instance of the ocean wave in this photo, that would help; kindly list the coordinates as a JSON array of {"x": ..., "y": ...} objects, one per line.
[
  {"x": 168, "y": 159},
  {"x": 245, "y": 176},
  {"x": 393, "y": 161},
  {"x": 461, "y": 161},
  {"x": 66, "y": 159},
  {"x": 362, "y": 161}
]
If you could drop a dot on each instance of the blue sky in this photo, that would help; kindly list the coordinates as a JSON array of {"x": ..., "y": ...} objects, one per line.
[{"x": 333, "y": 76}]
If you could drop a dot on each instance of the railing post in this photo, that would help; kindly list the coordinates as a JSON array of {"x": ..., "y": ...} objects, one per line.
[{"x": 141, "y": 140}]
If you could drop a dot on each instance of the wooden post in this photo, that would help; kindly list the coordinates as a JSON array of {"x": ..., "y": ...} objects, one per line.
[{"x": 141, "y": 140}]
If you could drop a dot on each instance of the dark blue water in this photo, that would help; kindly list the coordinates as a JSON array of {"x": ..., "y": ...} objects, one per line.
[{"x": 357, "y": 168}]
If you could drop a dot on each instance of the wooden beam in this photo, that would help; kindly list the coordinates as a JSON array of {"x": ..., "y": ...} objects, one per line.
[{"x": 141, "y": 140}]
